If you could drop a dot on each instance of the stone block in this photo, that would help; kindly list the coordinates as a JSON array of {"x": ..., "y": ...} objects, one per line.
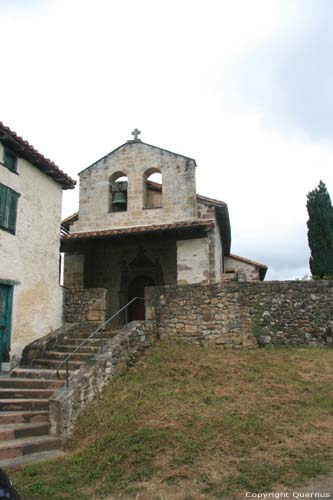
[
  {"x": 95, "y": 315},
  {"x": 191, "y": 328}
]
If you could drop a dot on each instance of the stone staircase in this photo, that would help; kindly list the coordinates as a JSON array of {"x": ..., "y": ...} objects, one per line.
[
  {"x": 68, "y": 343},
  {"x": 24, "y": 399},
  {"x": 24, "y": 416}
]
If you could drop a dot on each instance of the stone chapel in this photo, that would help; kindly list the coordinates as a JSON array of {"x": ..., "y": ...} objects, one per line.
[{"x": 131, "y": 231}]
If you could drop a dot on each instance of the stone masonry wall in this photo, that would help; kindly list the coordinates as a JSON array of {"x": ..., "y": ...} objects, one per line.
[
  {"x": 207, "y": 211},
  {"x": 87, "y": 383},
  {"x": 74, "y": 270},
  {"x": 134, "y": 160},
  {"x": 88, "y": 304},
  {"x": 291, "y": 313},
  {"x": 243, "y": 314}
]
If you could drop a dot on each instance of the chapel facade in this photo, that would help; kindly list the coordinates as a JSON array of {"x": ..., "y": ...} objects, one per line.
[{"x": 131, "y": 231}]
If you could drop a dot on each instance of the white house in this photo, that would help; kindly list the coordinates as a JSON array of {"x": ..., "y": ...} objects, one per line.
[{"x": 30, "y": 214}]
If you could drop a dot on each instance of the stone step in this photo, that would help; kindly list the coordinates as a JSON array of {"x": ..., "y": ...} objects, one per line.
[
  {"x": 29, "y": 383},
  {"x": 86, "y": 349},
  {"x": 25, "y": 446},
  {"x": 85, "y": 327},
  {"x": 18, "y": 393},
  {"x": 23, "y": 417},
  {"x": 18, "y": 462},
  {"x": 79, "y": 356},
  {"x": 36, "y": 373},
  {"x": 83, "y": 336},
  {"x": 23, "y": 404},
  {"x": 76, "y": 341},
  {"x": 110, "y": 333},
  {"x": 53, "y": 363},
  {"x": 9, "y": 432}
]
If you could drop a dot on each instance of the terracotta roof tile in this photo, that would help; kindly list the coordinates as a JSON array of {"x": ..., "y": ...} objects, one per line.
[
  {"x": 25, "y": 150},
  {"x": 210, "y": 200},
  {"x": 139, "y": 230},
  {"x": 247, "y": 261},
  {"x": 70, "y": 218}
]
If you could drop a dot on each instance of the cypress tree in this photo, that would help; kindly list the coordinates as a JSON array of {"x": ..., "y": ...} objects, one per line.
[{"x": 320, "y": 231}]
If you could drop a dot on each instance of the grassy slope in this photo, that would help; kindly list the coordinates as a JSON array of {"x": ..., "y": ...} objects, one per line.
[{"x": 189, "y": 423}]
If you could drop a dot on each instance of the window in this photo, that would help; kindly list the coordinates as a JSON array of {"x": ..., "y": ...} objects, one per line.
[
  {"x": 9, "y": 159},
  {"x": 8, "y": 208},
  {"x": 118, "y": 192}
]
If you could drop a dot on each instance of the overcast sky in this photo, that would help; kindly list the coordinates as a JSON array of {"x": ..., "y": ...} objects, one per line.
[{"x": 242, "y": 86}]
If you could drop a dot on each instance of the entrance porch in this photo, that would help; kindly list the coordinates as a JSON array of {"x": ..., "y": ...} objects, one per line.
[{"x": 125, "y": 263}]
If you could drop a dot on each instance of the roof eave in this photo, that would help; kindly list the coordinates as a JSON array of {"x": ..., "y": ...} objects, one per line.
[
  {"x": 140, "y": 230},
  {"x": 262, "y": 272},
  {"x": 23, "y": 149},
  {"x": 262, "y": 267},
  {"x": 222, "y": 215}
]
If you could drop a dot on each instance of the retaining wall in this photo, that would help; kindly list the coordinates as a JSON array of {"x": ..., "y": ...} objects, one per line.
[
  {"x": 244, "y": 314},
  {"x": 85, "y": 304},
  {"x": 86, "y": 384}
]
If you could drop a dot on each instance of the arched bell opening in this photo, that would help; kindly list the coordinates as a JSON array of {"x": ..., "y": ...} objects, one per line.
[
  {"x": 152, "y": 188},
  {"x": 118, "y": 192}
]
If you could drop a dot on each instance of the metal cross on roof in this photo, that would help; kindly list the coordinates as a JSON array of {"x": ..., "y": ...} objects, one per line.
[{"x": 136, "y": 134}]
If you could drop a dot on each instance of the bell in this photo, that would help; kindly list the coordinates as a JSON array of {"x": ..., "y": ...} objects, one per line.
[{"x": 119, "y": 201}]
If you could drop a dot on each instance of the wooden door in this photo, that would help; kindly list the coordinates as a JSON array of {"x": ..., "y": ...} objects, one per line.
[
  {"x": 5, "y": 321},
  {"x": 136, "y": 311}
]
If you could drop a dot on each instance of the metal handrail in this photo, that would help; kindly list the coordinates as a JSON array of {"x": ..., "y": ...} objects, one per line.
[{"x": 100, "y": 328}]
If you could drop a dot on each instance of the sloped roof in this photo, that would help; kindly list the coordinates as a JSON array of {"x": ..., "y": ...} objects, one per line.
[
  {"x": 210, "y": 201},
  {"x": 24, "y": 150},
  {"x": 70, "y": 219},
  {"x": 134, "y": 230},
  {"x": 263, "y": 268},
  {"x": 137, "y": 142},
  {"x": 222, "y": 215}
]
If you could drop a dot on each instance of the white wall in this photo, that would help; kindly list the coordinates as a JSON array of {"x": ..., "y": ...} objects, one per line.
[
  {"x": 207, "y": 211},
  {"x": 31, "y": 256},
  {"x": 193, "y": 261},
  {"x": 250, "y": 270},
  {"x": 218, "y": 252}
]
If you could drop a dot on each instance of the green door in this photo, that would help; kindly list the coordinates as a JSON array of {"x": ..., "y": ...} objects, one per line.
[{"x": 6, "y": 294}]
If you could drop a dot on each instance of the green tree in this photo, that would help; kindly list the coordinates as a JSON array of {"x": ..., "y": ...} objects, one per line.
[{"x": 320, "y": 231}]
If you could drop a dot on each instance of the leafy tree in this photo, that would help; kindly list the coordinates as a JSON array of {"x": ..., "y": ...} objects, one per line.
[{"x": 320, "y": 231}]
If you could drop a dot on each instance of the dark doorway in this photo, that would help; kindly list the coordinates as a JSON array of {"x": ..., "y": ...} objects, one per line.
[
  {"x": 136, "y": 311},
  {"x": 6, "y": 294}
]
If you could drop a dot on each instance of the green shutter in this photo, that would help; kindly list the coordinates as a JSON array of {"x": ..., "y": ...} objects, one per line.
[
  {"x": 8, "y": 208},
  {"x": 12, "y": 210},
  {"x": 9, "y": 159},
  {"x": 3, "y": 198}
]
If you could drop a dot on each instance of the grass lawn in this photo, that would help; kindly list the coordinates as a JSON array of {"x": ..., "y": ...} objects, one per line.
[{"x": 198, "y": 423}]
